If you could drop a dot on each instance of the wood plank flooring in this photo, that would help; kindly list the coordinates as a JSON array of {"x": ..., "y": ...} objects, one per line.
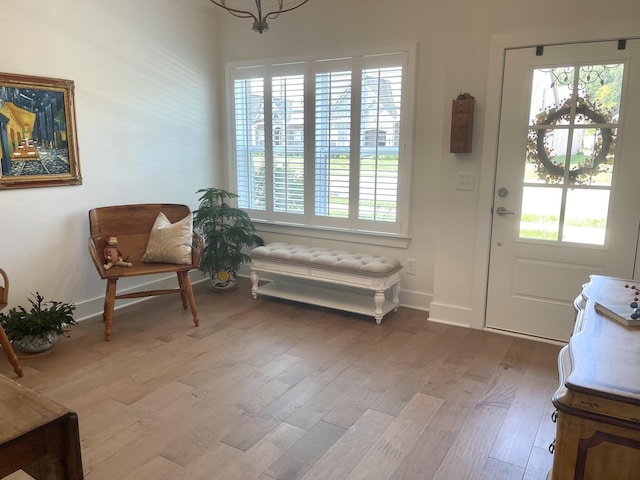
[{"x": 266, "y": 389}]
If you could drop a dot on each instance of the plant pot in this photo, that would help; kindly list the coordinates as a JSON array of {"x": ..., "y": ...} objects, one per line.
[
  {"x": 36, "y": 344},
  {"x": 224, "y": 280}
]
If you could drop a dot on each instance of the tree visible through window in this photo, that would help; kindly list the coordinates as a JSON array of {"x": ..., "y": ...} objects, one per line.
[
  {"x": 570, "y": 157},
  {"x": 323, "y": 142}
]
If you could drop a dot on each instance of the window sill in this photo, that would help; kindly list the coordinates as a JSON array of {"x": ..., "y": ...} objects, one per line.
[{"x": 369, "y": 238}]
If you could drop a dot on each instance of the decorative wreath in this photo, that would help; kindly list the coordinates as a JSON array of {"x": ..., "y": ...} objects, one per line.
[{"x": 538, "y": 150}]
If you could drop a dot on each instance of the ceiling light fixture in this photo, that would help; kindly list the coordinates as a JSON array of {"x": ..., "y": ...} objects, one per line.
[{"x": 260, "y": 24}]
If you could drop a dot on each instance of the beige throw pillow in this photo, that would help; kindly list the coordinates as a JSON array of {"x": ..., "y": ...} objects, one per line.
[{"x": 170, "y": 242}]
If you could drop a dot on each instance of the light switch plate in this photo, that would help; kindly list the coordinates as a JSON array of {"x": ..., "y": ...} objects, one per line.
[{"x": 466, "y": 181}]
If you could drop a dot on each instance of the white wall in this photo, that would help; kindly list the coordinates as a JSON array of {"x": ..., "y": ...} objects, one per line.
[
  {"x": 449, "y": 228},
  {"x": 150, "y": 109},
  {"x": 145, "y": 81}
]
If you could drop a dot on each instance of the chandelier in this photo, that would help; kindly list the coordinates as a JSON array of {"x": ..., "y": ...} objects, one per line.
[{"x": 260, "y": 18}]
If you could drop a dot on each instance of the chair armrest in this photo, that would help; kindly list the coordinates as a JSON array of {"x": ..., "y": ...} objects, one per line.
[
  {"x": 94, "y": 247},
  {"x": 197, "y": 246},
  {"x": 4, "y": 290}
]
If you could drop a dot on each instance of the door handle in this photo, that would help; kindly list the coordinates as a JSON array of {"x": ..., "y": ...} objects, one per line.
[{"x": 503, "y": 211}]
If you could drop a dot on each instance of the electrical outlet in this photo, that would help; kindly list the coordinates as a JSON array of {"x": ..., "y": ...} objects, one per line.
[{"x": 411, "y": 266}]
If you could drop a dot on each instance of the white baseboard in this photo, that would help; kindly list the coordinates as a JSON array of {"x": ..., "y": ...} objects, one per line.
[
  {"x": 450, "y": 314},
  {"x": 415, "y": 300},
  {"x": 94, "y": 307}
]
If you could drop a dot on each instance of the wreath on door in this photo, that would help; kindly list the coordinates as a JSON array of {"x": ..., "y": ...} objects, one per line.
[{"x": 541, "y": 154}]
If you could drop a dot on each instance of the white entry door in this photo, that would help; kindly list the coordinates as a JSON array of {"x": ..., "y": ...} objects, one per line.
[{"x": 567, "y": 192}]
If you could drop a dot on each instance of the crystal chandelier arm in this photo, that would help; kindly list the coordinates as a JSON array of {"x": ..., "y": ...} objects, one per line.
[
  {"x": 275, "y": 14},
  {"x": 234, "y": 11}
]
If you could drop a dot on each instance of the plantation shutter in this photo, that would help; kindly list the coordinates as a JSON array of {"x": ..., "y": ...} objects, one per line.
[
  {"x": 287, "y": 120},
  {"x": 318, "y": 142},
  {"x": 333, "y": 144},
  {"x": 250, "y": 143},
  {"x": 379, "y": 144}
]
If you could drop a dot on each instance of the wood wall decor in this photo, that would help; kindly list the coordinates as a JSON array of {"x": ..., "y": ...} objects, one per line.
[{"x": 462, "y": 123}]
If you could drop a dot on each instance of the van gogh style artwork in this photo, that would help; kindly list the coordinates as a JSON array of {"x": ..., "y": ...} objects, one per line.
[{"x": 38, "y": 144}]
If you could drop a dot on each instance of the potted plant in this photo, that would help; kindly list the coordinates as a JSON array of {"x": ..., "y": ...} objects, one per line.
[
  {"x": 226, "y": 231},
  {"x": 37, "y": 329}
]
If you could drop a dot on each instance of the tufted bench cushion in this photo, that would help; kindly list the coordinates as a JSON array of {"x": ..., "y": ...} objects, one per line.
[
  {"x": 338, "y": 260},
  {"x": 372, "y": 275}
]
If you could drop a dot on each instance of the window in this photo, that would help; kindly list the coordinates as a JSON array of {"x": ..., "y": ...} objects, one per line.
[
  {"x": 324, "y": 142},
  {"x": 570, "y": 157}
]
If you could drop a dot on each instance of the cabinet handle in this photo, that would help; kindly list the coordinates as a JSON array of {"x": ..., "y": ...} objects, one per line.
[
  {"x": 552, "y": 447},
  {"x": 554, "y": 417}
]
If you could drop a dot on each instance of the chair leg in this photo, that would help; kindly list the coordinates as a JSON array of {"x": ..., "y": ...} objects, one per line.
[
  {"x": 183, "y": 294},
  {"x": 109, "y": 303},
  {"x": 11, "y": 355},
  {"x": 186, "y": 290}
]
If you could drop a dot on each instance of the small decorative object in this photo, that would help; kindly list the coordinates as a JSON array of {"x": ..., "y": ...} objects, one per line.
[
  {"x": 37, "y": 329},
  {"x": 38, "y": 145},
  {"x": 542, "y": 156},
  {"x": 112, "y": 255},
  {"x": 635, "y": 291},
  {"x": 226, "y": 231}
]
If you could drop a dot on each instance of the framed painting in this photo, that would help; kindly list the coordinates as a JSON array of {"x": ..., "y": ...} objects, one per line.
[{"x": 38, "y": 143}]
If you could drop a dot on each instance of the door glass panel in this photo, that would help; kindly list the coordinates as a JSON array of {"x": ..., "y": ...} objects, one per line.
[
  {"x": 571, "y": 144},
  {"x": 588, "y": 155},
  {"x": 540, "y": 217},
  {"x": 602, "y": 84},
  {"x": 585, "y": 219},
  {"x": 549, "y": 142},
  {"x": 550, "y": 87}
]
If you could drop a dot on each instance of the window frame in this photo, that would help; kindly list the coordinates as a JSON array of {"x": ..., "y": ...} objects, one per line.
[{"x": 308, "y": 223}]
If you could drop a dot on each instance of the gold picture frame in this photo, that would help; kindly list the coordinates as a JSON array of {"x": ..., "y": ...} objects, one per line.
[{"x": 38, "y": 143}]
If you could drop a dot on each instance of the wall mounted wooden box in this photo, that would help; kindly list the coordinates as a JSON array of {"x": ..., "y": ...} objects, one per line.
[{"x": 462, "y": 124}]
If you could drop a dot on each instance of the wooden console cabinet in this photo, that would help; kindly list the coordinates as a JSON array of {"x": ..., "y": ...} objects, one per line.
[
  {"x": 598, "y": 401},
  {"x": 37, "y": 435}
]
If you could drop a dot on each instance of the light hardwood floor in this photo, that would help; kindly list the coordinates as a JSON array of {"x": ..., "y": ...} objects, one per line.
[{"x": 266, "y": 389}]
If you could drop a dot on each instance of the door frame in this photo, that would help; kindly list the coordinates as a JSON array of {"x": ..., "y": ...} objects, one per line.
[{"x": 500, "y": 44}]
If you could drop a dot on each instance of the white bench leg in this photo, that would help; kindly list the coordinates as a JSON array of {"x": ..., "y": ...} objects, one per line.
[
  {"x": 396, "y": 296},
  {"x": 378, "y": 301},
  {"x": 254, "y": 283}
]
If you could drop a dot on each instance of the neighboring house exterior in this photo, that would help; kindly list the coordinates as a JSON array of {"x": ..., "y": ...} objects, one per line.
[{"x": 380, "y": 120}]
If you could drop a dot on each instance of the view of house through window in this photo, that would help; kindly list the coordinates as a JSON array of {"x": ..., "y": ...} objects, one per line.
[{"x": 321, "y": 142}]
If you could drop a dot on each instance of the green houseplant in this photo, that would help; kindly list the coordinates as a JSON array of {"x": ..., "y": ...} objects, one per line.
[
  {"x": 226, "y": 231},
  {"x": 37, "y": 329}
]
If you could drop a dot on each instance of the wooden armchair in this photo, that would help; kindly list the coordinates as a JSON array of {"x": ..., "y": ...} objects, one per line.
[
  {"x": 4, "y": 340},
  {"x": 132, "y": 225}
]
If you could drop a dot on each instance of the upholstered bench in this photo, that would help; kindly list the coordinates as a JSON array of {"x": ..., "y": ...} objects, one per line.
[{"x": 314, "y": 270}]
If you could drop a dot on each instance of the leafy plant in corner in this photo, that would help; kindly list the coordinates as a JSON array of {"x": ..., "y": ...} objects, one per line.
[
  {"x": 44, "y": 321},
  {"x": 226, "y": 230}
]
